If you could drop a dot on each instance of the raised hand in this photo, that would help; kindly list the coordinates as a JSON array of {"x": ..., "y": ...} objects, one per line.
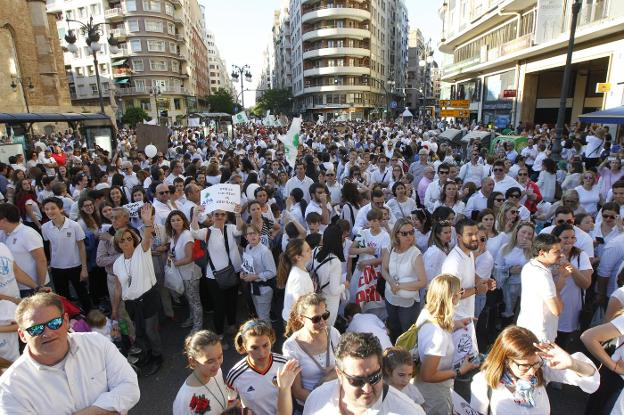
[
  {"x": 555, "y": 356},
  {"x": 287, "y": 374}
]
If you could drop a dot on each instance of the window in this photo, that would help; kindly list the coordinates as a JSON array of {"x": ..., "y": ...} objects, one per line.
[
  {"x": 176, "y": 103},
  {"x": 175, "y": 66},
  {"x": 139, "y": 84},
  {"x": 171, "y": 28},
  {"x": 90, "y": 70},
  {"x": 103, "y": 68},
  {"x": 94, "y": 89},
  {"x": 158, "y": 64},
  {"x": 151, "y": 5},
  {"x": 159, "y": 83},
  {"x": 95, "y": 9},
  {"x": 79, "y": 72},
  {"x": 131, "y": 5},
  {"x": 133, "y": 25},
  {"x": 153, "y": 26},
  {"x": 69, "y": 14},
  {"x": 82, "y": 12},
  {"x": 145, "y": 105},
  {"x": 105, "y": 87},
  {"x": 135, "y": 45},
  {"x": 137, "y": 65},
  {"x": 156, "y": 46},
  {"x": 173, "y": 48},
  {"x": 169, "y": 9}
]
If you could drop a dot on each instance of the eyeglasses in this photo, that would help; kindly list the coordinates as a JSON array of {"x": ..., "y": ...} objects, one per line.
[
  {"x": 499, "y": 200},
  {"x": 53, "y": 324},
  {"x": 523, "y": 174},
  {"x": 608, "y": 216},
  {"x": 588, "y": 177},
  {"x": 317, "y": 319},
  {"x": 166, "y": 192},
  {"x": 406, "y": 233},
  {"x": 128, "y": 239},
  {"x": 523, "y": 367},
  {"x": 513, "y": 212},
  {"x": 516, "y": 195},
  {"x": 562, "y": 221},
  {"x": 360, "y": 381},
  {"x": 498, "y": 169}
]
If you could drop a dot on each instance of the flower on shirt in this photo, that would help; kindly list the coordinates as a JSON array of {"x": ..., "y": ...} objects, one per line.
[{"x": 199, "y": 404}]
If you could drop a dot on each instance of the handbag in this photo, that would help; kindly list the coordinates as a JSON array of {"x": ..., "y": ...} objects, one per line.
[
  {"x": 226, "y": 278},
  {"x": 173, "y": 279}
]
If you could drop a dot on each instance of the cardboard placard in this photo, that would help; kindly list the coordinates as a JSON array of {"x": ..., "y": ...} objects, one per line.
[
  {"x": 221, "y": 197},
  {"x": 152, "y": 134},
  {"x": 133, "y": 208}
]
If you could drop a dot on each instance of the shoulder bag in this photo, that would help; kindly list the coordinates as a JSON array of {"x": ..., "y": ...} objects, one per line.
[{"x": 226, "y": 278}]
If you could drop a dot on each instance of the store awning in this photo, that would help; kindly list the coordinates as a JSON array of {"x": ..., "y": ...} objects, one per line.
[
  {"x": 122, "y": 81},
  {"x": 608, "y": 116},
  {"x": 119, "y": 63}
]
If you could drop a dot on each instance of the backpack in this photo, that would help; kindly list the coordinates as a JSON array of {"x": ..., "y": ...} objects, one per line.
[
  {"x": 314, "y": 275},
  {"x": 409, "y": 341}
]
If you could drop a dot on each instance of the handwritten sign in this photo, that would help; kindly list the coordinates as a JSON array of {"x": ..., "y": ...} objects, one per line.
[
  {"x": 221, "y": 197},
  {"x": 133, "y": 209}
]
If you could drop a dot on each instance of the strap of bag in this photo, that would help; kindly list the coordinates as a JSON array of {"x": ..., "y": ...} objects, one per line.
[
  {"x": 489, "y": 395},
  {"x": 302, "y": 347},
  {"x": 315, "y": 269},
  {"x": 227, "y": 247}
]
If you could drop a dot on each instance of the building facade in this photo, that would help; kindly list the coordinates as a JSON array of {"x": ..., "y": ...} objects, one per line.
[
  {"x": 508, "y": 56},
  {"x": 349, "y": 58},
  {"x": 161, "y": 65},
  {"x": 219, "y": 76},
  {"x": 31, "y": 56}
]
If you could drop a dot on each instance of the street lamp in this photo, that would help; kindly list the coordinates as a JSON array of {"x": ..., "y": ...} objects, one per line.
[
  {"x": 92, "y": 33},
  {"x": 238, "y": 72},
  {"x": 565, "y": 85},
  {"x": 18, "y": 80},
  {"x": 381, "y": 84},
  {"x": 156, "y": 92}
]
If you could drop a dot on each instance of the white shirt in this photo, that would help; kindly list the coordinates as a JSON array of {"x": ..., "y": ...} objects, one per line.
[
  {"x": 135, "y": 274},
  {"x": 537, "y": 287},
  {"x": 335, "y": 192},
  {"x": 219, "y": 397},
  {"x": 179, "y": 249},
  {"x": 462, "y": 266},
  {"x": 370, "y": 323},
  {"x": 402, "y": 209},
  {"x": 21, "y": 242},
  {"x": 472, "y": 173},
  {"x": 94, "y": 374},
  {"x": 402, "y": 268},
  {"x": 434, "y": 341},
  {"x": 572, "y": 296},
  {"x": 64, "y": 251},
  {"x": 507, "y": 183},
  {"x": 298, "y": 284},
  {"x": 379, "y": 176},
  {"x": 304, "y": 185},
  {"x": 432, "y": 194},
  {"x": 584, "y": 242},
  {"x": 477, "y": 201},
  {"x": 433, "y": 258},
  {"x": 589, "y": 199},
  {"x": 216, "y": 247},
  {"x": 325, "y": 400},
  {"x": 9, "y": 345},
  {"x": 362, "y": 222},
  {"x": 162, "y": 210},
  {"x": 8, "y": 284}
]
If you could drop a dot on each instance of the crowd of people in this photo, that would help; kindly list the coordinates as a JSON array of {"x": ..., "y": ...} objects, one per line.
[{"x": 380, "y": 267}]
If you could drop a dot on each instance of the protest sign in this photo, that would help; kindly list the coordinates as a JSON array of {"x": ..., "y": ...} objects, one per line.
[
  {"x": 460, "y": 406},
  {"x": 221, "y": 196},
  {"x": 247, "y": 266},
  {"x": 133, "y": 209}
]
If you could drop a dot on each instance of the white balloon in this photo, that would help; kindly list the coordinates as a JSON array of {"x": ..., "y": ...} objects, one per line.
[{"x": 150, "y": 150}]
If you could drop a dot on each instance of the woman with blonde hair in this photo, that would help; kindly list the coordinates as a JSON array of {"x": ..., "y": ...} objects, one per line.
[
  {"x": 506, "y": 219},
  {"x": 436, "y": 324},
  {"x": 292, "y": 274},
  {"x": 514, "y": 376},
  {"x": 311, "y": 342},
  {"x": 589, "y": 193}
]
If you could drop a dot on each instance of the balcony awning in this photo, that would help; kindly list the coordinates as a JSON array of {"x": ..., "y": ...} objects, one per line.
[
  {"x": 608, "y": 116},
  {"x": 122, "y": 81},
  {"x": 119, "y": 62}
]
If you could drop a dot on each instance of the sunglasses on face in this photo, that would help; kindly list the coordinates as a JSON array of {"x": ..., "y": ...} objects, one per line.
[
  {"x": 218, "y": 214},
  {"x": 406, "y": 233},
  {"x": 516, "y": 195},
  {"x": 317, "y": 319},
  {"x": 166, "y": 192},
  {"x": 498, "y": 169},
  {"x": 53, "y": 324},
  {"x": 499, "y": 200},
  {"x": 513, "y": 212},
  {"x": 562, "y": 221},
  {"x": 360, "y": 381},
  {"x": 608, "y": 216}
]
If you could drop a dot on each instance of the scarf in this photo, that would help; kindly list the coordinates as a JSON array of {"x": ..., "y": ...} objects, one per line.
[{"x": 524, "y": 390}]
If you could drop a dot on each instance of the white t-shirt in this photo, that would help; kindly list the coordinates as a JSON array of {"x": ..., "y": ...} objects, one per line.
[
  {"x": 311, "y": 374},
  {"x": 433, "y": 258},
  {"x": 217, "y": 393},
  {"x": 370, "y": 323},
  {"x": 402, "y": 268},
  {"x": 257, "y": 391},
  {"x": 402, "y": 209},
  {"x": 178, "y": 248},
  {"x": 365, "y": 238},
  {"x": 135, "y": 274},
  {"x": 299, "y": 283},
  {"x": 434, "y": 341},
  {"x": 537, "y": 287},
  {"x": 572, "y": 296},
  {"x": 64, "y": 252},
  {"x": 8, "y": 284},
  {"x": 21, "y": 242},
  {"x": 589, "y": 199},
  {"x": 462, "y": 266},
  {"x": 9, "y": 345}
]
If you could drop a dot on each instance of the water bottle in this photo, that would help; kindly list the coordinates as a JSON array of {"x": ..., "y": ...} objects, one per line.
[{"x": 123, "y": 327}]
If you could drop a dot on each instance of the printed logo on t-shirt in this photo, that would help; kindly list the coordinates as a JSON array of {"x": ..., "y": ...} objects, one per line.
[
  {"x": 274, "y": 381},
  {"x": 69, "y": 234},
  {"x": 4, "y": 265},
  {"x": 14, "y": 241},
  {"x": 251, "y": 389}
]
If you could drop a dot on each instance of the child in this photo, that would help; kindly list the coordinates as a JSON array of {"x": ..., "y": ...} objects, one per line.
[
  {"x": 204, "y": 386},
  {"x": 397, "y": 370},
  {"x": 313, "y": 219},
  {"x": 99, "y": 323},
  {"x": 254, "y": 378},
  {"x": 259, "y": 269}
]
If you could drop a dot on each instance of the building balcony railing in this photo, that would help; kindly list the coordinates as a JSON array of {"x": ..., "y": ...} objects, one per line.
[
  {"x": 337, "y": 70},
  {"x": 341, "y": 51},
  {"x": 335, "y": 88},
  {"x": 324, "y": 6},
  {"x": 335, "y": 32},
  {"x": 114, "y": 14},
  {"x": 357, "y": 14},
  {"x": 146, "y": 91},
  {"x": 119, "y": 33}
]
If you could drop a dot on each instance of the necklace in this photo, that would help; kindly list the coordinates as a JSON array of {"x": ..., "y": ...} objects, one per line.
[{"x": 224, "y": 404}]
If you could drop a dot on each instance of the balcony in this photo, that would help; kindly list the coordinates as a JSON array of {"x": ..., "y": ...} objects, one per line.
[
  {"x": 123, "y": 52},
  {"x": 121, "y": 72},
  {"x": 336, "y": 88},
  {"x": 327, "y": 52},
  {"x": 324, "y": 12},
  {"x": 178, "y": 21},
  {"x": 114, "y": 15},
  {"x": 357, "y": 70},
  {"x": 180, "y": 37},
  {"x": 335, "y": 32},
  {"x": 167, "y": 90},
  {"x": 182, "y": 57},
  {"x": 119, "y": 34}
]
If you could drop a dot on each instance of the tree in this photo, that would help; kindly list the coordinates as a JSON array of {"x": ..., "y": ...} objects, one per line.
[
  {"x": 221, "y": 101},
  {"x": 279, "y": 101},
  {"x": 134, "y": 115}
]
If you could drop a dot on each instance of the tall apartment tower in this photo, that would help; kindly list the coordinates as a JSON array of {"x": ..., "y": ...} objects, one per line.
[
  {"x": 282, "y": 49},
  {"x": 218, "y": 73},
  {"x": 349, "y": 57}
]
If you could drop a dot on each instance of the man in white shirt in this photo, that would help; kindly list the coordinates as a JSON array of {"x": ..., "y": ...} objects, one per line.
[
  {"x": 472, "y": 171},
  {"x": 478, "y": 201},
  {"x": 540, "y": 302},
  {"x": 377, "y": 201},
  {"x": 130, "y": 177},
  {"x": 383, "y": 174},
  {"x": 300, "y": 180},
  {"x": 433, "y": 190},
  {"x": 360, "y": 386},
  {"x": 61, "y": 372},
  {"x": 529, "y": 153},
  {"x": 584, "y": 241},
  {"x": 502, "y": 181},
  {"x": 318, "y": 204},
  {"x": 162, "y": 205},
  {"x": 335, "y": 188},
  {"x": 176, "y": 171}
]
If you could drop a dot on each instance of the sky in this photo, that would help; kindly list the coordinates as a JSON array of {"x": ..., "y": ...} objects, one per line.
[{"x": 242, "y": 30}]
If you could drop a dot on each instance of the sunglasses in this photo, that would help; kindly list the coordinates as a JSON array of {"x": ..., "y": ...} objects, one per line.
[
  {"x": 218, "y": 214},
  {"x": 498, "y": 169},
  {"x": 166, "y": 192},
  {"x": 513, "y": 212},
  {"x": 317, "y": 319},
  {"x": 406, "y": 233},
  {"x": 562, "y": 221},
  {"x": 360, "y": 381},
  {"x": 608, "y": 216},
  {"x": 523, "y": 174},
  {"x": 499, "y": 200},
  {"x": 516, "y": 195},
  {"x": 53, "y": 324}
]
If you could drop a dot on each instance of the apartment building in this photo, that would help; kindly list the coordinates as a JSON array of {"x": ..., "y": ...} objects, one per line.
[
  {"x": 219, "y": 75},
  {"x": 162, "y": 58},
  {"x": 282, "y": 50},
  {"x": 349, "y": 57},
  {"x": 508, "y": 56}
]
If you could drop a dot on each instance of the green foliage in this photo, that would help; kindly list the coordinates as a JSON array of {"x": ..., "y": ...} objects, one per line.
[
  {"x": 134, "y": 116},
  {"x": 221, "y": 101},
  {"x": 279, "y": 101}
]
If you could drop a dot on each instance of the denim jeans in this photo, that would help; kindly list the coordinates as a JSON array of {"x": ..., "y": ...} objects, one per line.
[{"x": 401, "y": 318}]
